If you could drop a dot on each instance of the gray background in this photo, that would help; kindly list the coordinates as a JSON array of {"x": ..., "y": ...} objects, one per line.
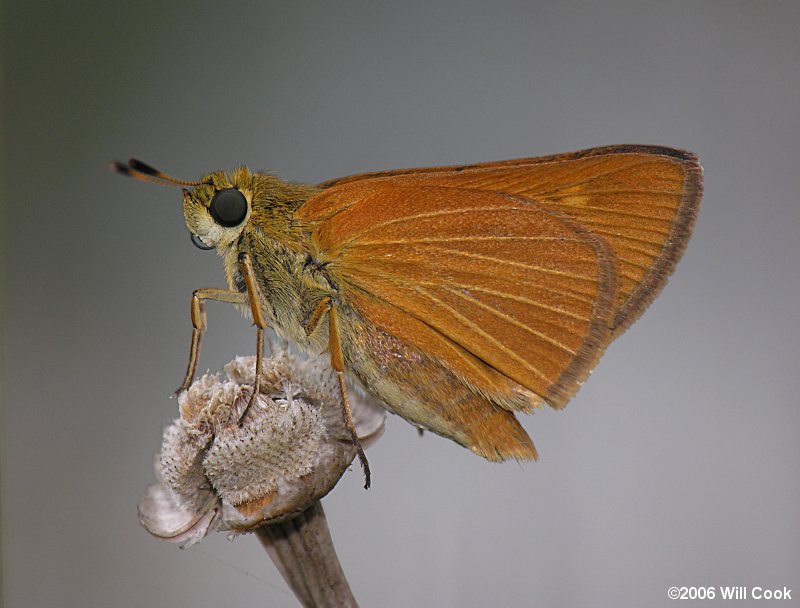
[{"x": 676, "y": 464}]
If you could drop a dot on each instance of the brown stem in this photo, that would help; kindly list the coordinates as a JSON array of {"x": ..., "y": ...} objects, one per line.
[{"x": 303, "y": 551}]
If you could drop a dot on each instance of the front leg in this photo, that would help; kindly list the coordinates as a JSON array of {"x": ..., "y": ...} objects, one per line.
[
  {"x": 337, "y": 363},
  {"x": 199, "y": 321}
]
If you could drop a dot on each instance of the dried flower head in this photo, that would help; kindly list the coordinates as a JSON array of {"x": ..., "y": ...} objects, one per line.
[{"x": 226, "y": 466}]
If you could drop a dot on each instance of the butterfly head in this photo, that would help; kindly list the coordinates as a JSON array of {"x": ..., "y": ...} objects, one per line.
[
  {"x": 222, "y": 206},
  {"x": 216, "y": 207}
]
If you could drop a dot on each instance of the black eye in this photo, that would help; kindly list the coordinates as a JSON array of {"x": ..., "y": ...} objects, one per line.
[{"x": 228, "y": 207}]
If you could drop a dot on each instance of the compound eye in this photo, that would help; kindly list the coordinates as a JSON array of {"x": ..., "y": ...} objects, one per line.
[{"x": 228, "y": 207}]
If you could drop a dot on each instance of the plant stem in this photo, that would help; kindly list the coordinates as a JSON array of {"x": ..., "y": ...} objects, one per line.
[{"x": 303, "y": 552}]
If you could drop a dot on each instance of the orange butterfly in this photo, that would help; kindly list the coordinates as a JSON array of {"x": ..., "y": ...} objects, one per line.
[{"x": 456, "y": 295}]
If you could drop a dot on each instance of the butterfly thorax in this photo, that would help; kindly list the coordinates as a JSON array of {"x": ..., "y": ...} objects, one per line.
[{"x": 290, "y": 279}]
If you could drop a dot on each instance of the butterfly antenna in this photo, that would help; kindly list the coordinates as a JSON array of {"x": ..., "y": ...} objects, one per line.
[{"x": 144, "y": 172}]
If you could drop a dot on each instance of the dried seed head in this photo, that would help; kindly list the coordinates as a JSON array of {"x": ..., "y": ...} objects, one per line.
[
  {"x": 223, "y": 465},
  {"x": 285, "y": 442}
]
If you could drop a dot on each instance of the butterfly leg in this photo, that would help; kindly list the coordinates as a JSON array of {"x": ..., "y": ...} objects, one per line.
[
  {"x": 249, "y": 275},
  {"x": 199, "y": 296},
  {"x": 199, "y": 321},
  {"x": 337, "y": 363}
]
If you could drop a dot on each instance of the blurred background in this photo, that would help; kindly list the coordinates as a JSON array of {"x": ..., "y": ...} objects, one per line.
[{"x": 676, "y": 464}]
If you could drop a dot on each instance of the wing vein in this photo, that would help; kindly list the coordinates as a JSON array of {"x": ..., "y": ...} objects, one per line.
[
  {"x": 592, "y": 222},
  {"x": 609, "y": 211},
  {"x": 622, "y": 191},
  {"x": 601, "y": 175},
  {"x": 514, "y": 264},
  {"x": 564, "y": 175},
  {"x": 563, "y": 273},
  {"x": 514, "y": 321},
  {"x": 488, "y": 337},
  {"x": 508, "y": 296},
  {"x": 659, "y": 243},
  {"x": 456, "y": 239},
  {"x": 427, "y": 214}
]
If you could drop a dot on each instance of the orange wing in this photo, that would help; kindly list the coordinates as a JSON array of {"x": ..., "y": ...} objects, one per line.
[
  {"x": 496, "y": 279},
  {"x": 642, "y": 200}
]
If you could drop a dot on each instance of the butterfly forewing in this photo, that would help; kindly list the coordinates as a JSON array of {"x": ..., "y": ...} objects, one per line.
[{"x": 641, "y": 199}]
